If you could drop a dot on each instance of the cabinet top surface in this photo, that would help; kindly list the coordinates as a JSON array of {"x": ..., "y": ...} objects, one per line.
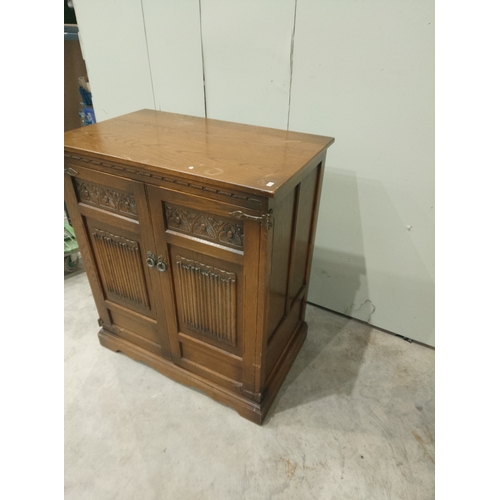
[{"x": 222, "y": 153}]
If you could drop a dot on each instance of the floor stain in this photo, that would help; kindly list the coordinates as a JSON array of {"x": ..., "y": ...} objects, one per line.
[
  {"x": 421, "y": 442},
  {"x": 290, "y": 467}
]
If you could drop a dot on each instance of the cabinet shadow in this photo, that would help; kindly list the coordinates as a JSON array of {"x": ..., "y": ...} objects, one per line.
[{"x": 328, "y": 363}]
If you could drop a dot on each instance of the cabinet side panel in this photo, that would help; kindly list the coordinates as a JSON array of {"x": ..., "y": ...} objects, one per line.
[
  {"x": 300, "y": 209},
  {"x": 281, "y": 338},
  {"x": 280, "y": 260},
  {"x": 302, "y": 236}
]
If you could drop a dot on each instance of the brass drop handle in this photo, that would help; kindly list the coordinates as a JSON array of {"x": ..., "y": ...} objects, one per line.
[
  {"x": 162, "y": 265},
  {"x": 150, "y": 259}
]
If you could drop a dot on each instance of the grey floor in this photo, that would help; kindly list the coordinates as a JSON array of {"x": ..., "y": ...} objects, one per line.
[{"x": 353, "y": 420}]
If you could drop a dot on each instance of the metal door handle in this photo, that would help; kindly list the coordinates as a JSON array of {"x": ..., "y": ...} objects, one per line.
[
  {"x": 162, "y": 265},
  {"x": 150, "y": 259}
]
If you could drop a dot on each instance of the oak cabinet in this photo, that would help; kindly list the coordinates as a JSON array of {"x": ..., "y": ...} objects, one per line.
[{"x": 197, "y": 239}]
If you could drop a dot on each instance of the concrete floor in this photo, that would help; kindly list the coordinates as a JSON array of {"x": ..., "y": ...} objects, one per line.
[{"x": 354, "y": 420}]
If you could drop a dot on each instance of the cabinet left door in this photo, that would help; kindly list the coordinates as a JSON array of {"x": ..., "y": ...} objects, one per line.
[{"x": 113, "y": 228}]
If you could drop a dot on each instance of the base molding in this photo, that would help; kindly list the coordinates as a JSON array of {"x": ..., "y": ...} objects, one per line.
[{"x": 247, "y": 408}]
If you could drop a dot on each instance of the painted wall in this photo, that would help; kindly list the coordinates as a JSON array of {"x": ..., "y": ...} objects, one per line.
[{"x": 360, "y": 71}]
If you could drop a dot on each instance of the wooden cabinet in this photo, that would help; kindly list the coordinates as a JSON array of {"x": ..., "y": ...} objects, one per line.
[{"x": 197, "y": 239}]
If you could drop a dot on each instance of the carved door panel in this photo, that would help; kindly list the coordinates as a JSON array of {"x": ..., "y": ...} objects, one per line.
[
  {"x": 209, "y": 286},
  {"x": 112, "y": 223}
]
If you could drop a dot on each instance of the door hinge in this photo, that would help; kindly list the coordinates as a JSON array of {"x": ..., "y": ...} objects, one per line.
[
  {"x": 70, "y": 171},
  {"x": 110, "y": 328},
  {"x": 265, "y": 219}
]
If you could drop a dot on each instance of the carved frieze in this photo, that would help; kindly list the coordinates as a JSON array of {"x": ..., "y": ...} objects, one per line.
[
  {"x": 105, "y": 197},
  {"x": 123, "y": 168},
  {"x": 205, "y": 226}
]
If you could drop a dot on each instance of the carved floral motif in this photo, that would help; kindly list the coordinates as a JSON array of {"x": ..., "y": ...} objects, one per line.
[
  {"x": 204, "y": 226},
  {"x": 111, "y": 199}
]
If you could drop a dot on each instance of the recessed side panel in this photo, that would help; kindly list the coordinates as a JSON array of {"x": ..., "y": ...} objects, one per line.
[
  {"x": 281, "y": 338},
  {"x": 280, "y": 261},
  {"x": 302, "y": 235},
  {"x": 291, "y": 255}
]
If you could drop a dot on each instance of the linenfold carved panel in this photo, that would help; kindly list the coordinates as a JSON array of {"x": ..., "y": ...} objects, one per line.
[
  {"x": 104, "y": 197},
  {"x": 207, "y": 299},
  {"x": 204, "y": 226},
  {"x": 121, "y": 267}
]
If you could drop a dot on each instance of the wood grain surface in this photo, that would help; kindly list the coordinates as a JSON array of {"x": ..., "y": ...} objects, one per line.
[{"x": 224, "y": 153}]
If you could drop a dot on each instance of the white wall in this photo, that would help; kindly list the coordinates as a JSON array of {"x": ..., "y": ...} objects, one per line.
[
  {"x": 364, "y": 73},
  {"x": 246, "y": 47},
  {"x": 114, "y": 47},
  {"x": 360, "y": 71},
  {"x": 174, "y": 47}
]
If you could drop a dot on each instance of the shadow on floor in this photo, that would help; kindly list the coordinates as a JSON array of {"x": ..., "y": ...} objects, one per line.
[{"x": 328, "y": 362}]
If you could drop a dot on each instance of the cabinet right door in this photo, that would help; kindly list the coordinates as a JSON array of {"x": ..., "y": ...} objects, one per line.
[{"x": 209, "y": 287}]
